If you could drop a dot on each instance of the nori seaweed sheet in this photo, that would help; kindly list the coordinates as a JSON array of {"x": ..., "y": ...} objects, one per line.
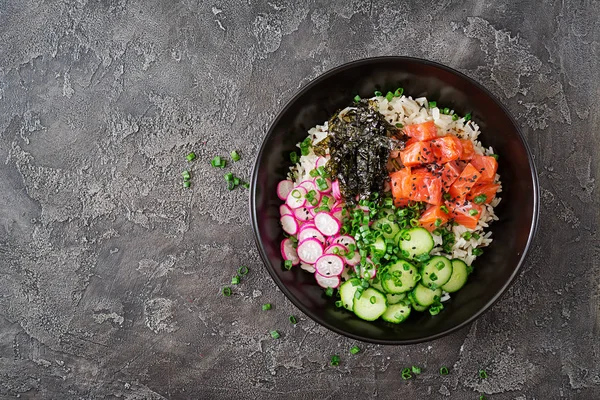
[{"x": 359, "y": 144}]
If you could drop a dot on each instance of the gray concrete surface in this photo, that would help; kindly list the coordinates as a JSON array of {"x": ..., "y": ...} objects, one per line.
[{"x": 110, "y": 271}]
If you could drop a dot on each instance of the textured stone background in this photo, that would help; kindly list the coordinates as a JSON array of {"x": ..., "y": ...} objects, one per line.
[{"x": 110, "y": 271}]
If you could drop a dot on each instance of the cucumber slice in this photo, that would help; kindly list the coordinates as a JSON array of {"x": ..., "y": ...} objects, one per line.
[
  {"x": 379, "y": 246},
  {"x": 395, "y": 298},
  {"x": 425, "y": 296},
  {"x": 377, "y": 285},
  {"x": 437, "y": 272},
  {"x": 460, "y": 273},
  {"x": 387, "y": 232},
  {"x": 396, "y": 313},
  {"x": 370, "y": 305},
  {"x": 414, "y": 242},
  {"x": 416, "y": 306},
  {"x": 347, "y": 291},
  {"x": 400, "y": 277}
]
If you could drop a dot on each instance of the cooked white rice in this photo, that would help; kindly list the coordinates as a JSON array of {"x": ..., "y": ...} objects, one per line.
[{"x": 407, "y": 111}]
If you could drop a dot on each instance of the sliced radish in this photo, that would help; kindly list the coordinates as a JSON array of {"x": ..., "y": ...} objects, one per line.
[
  {"x": 321, "y": 161},
  {"x": 327, "y": 224},
  {"x": 285, "y": 210},
  {"x": 366, "y": 270},
  {"x": 308, "y": 267},
  {"x": 326, "y": 189},
  {"x": 345, "y": 240},
  {"x": 284, "y": 188},
  {"x": 302, "y": 214},
  {"x": 311, "y": 188},
  {"x": 309, "y": 250},
  {"x": 288, "y": 251},
  {"x": 307, "y": 233},
  {"x": 308, "y": 185},
  {"x": 308, "y": 224},
  {"x": 329, "y": 265},
  {"x": 335, "y": 190},
  {"x": 289, "y": 224},
  {"x": 348, "y": 270},
  {"x": 354, "y": 261},
  {"x": 341, "y": 249},
  {"x": 328, "y": 201},
  {"x": 296, "y": 198},
  {"x": 338, "y": 213},
  {"x": 327, "y": 281}
]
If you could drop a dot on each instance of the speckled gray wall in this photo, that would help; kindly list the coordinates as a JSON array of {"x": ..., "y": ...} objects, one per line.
[{"x": 110, "y": 271}]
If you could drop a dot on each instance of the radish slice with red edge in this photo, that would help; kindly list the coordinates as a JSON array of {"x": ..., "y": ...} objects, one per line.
[
  {"x": 302, "y": 214},
  {"x": 355, "y": 260},
  {"x": 325, "y": 183},
  {"x": 289, "y": 224},
  {"x": 285, "y": 210},
  {"x": 335, "y": 190},
  {"x": 327, "y": 281},
  {"x": 321, "y": 161},
  {"x": 341, "y": 249},
  {"x": 308, "y": 267},
  {"x": 366, "y": 270},
  {"x": 284, "y": 188},
  {"x": 345, "y": 240},
  {"x": 337, "y": 213},
  {"x": 327, "y": 224},
  {"x": 311, "y": 232},
  {"x": 329, "y": 265},
  {"x": 296, "y": 198},
  {"x": 311, "y": 188},
  {"x": 309, "y": 250},
  {"x": 288, "y": 251}
]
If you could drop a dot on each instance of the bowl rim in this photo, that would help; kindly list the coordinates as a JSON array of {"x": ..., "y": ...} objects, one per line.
[{"x": 254, "y": 221}]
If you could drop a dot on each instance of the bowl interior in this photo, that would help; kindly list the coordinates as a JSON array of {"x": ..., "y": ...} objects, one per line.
[{"x": 517, "y": 211}]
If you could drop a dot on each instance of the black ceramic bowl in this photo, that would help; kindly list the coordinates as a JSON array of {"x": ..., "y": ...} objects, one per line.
[{"x": 518, "y": 211}]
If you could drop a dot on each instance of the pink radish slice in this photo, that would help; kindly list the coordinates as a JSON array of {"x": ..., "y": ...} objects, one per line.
[
  {"x": 345, "y": 240},
  {"x": 310, "y": 187},
  {"x": 327, "y": 181},
  {"x": 285, "y": 210},
  {"x": 367, "y": 269},
  {"x": 296, "y": 198},
  {"x": 307, "y": 233},
  {"x": 308, "y": 267},
  {"x": 327, "y": 224},
  {"x": 302, "y": 214},
  {"x": 329, "y": 265},
  {"x": 354, "y": 261},
  {"x": 327, "y": 281},
  {"x": 335, "y": 190},
  {"x": 289, "y": 224},
  {"x": 341, "y": 249},
  {"x": 337, "y": 213},
  {"x": 308, "y": 224},
  {"x": 284, "y": 188},
  {"x": 309, "y": 250},
  {"x": 321, "y": 161},
  {"x": 288, "y": 252}
]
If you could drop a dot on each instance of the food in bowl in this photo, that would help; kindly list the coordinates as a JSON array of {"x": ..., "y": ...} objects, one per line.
[{"x": 389, "y": 203}]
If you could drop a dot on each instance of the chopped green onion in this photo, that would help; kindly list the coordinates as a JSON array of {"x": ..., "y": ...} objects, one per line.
[
  {"x": 473, "y": 212},
  {"x": 373, "y": 299},
  {"x": 399, "y": 125},
  {"x": 293, "y": 320},
  {"x": 482, "y": 397},
  {"x": 432, "y": 104},
  {"x": 338, "y": 304},
  {"x": 246, "y": 185},
  {"x": 476, "y": 235},
  {"x": 236, "y": 181},
  {"x": 483, "y": 374},
  {"x": 329, "y": 292},
  {"x": 355, "y": 350},
  {"x": 357, "y": 98},
  {"x": 294, "y": 157},
  {"x": 444, "y": 371},
  {"x": 468, "y": 117},
  {"x": 228, "y": 176},
  {"x": 216, "y": 162},
  {"x": 455, "y": 117},
  {"x": 230, "y": 185},
  {"x": 438, "y": 222},
  {"x": 495, "y": 156},
  {"x": 266, "y": 307},
  {"x": 446, "y": 110},
  {"x": 226, "y": 291},
  {"x": 191, "y": 156},
  {"x": 389, "y": 96},
  {"x": 435, "y": 310},
  {"x": 186, "y": 184},
  {"x": 446, "y": 196},
  {"x": 235, "y": 156},
  {"x": 287, "y": 264},
  {"x": 235, "y": 280},
  {"x": 378, "y": 93},
  {"x": 335, "y": 360},
  {"x": 406, "y": 375},
  {"x": 314, "y": 173},
  {"x": 466, "y": 235},
  {"x": 243, "y": 270},
  {"x": 480, "y": 199},
  {"x": 477, "y": 252},
  {"x": 398, "y": 92},
  {"x": 275, "y": 334},
  {"x": 186, "y": 175},
  {"x": 416, "y": 370}
]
